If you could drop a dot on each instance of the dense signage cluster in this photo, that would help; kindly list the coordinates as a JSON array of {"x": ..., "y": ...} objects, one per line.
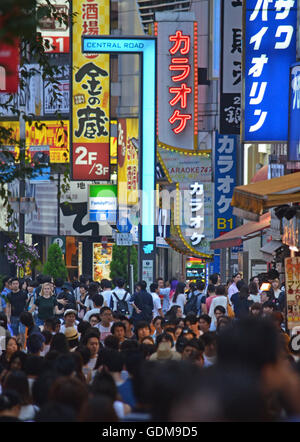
[
  {"x": 90, "y": 95},
  {"x": 231, "y": 67},
  {"x": 270, "y": 49}
]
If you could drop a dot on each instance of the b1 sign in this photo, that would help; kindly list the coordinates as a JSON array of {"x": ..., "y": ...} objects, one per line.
[{"x": 269, "y": 51}]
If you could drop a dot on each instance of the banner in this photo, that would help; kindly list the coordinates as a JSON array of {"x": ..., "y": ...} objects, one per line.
[
  {"x": 90, "y": 139},
  {"x": 292, "y": 289},
  {"x": 231, "y": 67},
  {"x": 128, "y": 135},
  {"x": 294, "y": 114},
  {"x": 48, "y": 141},
  {"x": 269, "y": 51}
]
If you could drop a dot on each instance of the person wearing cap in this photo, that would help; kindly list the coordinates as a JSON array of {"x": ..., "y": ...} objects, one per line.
[
  {"x": 72, "y": 337},
  {"x": 70, "y": 320}
]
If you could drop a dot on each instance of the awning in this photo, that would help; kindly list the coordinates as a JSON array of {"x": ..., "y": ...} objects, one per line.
[
  {"x": 242, "y": 233},
  {"x": 252, "y": 200},
  {"x": 269, "y": 248}
]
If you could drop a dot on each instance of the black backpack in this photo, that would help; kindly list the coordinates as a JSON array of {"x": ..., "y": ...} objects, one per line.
[
  {"x": 122, "y": 305},
  {"x": 191, "y": 305}
]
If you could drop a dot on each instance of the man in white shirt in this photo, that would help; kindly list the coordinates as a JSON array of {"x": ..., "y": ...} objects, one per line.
[
  {"x": 106, "y": 287},
  {"x": 120, "y": 294},
  {"x": 154, "y": 290},
  {"x": 98, "y": 303},
  {"x": 70, "y": 320}
]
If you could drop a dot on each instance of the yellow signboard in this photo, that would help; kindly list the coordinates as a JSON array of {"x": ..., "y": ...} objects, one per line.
[
  {"x": 48, "y": 140},
  {"x": 45, "y": 140},
  {"x": 90, "y": 95}
]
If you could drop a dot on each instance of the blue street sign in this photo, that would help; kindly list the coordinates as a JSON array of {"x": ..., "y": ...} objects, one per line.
[{"x": 124, "y": 225}]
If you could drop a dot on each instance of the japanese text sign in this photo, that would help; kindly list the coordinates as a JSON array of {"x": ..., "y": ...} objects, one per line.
[
  {"x": 90, "y": 95},
  {"x": 231, "y": 67},
  {"x": 225, "y": 181},
  {"x": 270, "y": 49},
  {"x": 177, "y": 83}
]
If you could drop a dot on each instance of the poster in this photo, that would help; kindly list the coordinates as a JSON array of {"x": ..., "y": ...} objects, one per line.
[
  {"x": 128, "y": 133},
  {"x": 292, "y": 288},
  {"x": 102, "y": 255}
]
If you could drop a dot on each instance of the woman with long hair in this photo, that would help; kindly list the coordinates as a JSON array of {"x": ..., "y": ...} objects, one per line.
[
  {"x": 46, "y": 303},
  {"x": 179, "y": 297}
]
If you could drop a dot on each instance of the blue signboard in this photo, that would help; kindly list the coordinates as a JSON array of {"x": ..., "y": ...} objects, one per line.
[
  {"x": 225, "y": 181},
  {"x": 269, "y": 49},
  {"x": 294, "y": 115}
]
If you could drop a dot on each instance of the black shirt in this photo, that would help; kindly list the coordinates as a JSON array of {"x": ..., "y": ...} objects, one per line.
[{"x": 18, "y": 302}]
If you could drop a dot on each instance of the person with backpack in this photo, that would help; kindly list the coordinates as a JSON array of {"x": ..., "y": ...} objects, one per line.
[
  {"x": 142, "y": 303},
  {"x": 120, "y": 298},
  {"x": 195, "y": 299}
]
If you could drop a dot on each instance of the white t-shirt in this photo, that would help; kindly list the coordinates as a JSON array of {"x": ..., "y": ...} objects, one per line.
[
  {"x": 156, "y": 304},
  {"x": 90, "y": 313},
  {"x": 63, "y": 327},
  {"x": 180, "y": 301},
  {"x": 255, "y": 298},
  {"x": 120, "y": 294},
  {"x": 218, "y": 300},
  {"x": 88, "y": 302},
  {"x": 104, "y": 331},
  {"x": 107, "y": 297}
]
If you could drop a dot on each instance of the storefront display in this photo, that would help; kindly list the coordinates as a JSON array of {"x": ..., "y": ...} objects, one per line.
[{"x": 102, "y": 255}]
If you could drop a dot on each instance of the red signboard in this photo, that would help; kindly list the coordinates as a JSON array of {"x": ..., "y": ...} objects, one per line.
[
  {"x": 9, "y": 67},
  {"x": 91, "y": 162}
]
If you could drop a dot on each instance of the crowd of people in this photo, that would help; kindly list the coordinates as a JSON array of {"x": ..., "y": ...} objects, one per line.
[{"x": 91, "y": 351}]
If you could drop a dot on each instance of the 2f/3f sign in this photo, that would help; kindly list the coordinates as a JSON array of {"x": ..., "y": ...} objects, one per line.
[{"x": 91, "y": 162}]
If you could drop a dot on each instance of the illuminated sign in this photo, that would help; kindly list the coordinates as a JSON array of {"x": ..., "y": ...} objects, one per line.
[
  {"x": 90, "y": 124},
  {"x": 231, "y": 67},
  {"x": 181, "y": 45},
  {"x": 103, "y": 203},
  {"x": 270, "y": 49},
  {"x": 147, "y": 48},
  {"x": 294, "y": 115},
  {"x": 197, "y": 213},
  {"x": 225, "y": 181},
  {"x": 177, "y": 83}
]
